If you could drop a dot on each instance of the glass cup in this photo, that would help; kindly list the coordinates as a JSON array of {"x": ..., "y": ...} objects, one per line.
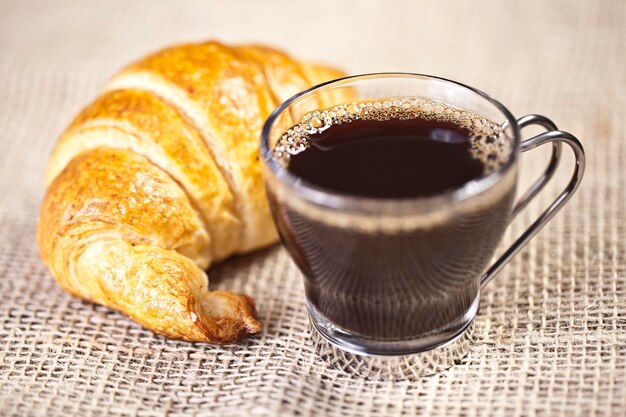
[{"x": 399, "y": 280}]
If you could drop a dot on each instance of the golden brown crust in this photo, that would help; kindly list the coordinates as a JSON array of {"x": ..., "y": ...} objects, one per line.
[
  {"x": 158, "y": 178},
  {"x": 139, "y": 121},
  {"x": 227, "y": 99},
  {"x": 116, "y": 230},
  {"x": 284, "y": 75},
  {"x": 115, "y": 193}
]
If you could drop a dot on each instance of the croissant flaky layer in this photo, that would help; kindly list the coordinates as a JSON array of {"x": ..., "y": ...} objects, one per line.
[{"x": 159, "y": 177}]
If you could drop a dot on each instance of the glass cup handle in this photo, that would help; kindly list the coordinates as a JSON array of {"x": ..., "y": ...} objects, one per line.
[{"x": 556, "y": 137}]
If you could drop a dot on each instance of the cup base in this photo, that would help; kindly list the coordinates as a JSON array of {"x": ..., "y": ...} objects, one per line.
[{"x": 390, "y": 360}]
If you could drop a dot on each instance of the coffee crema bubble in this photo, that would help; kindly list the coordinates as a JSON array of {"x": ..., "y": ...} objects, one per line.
[{"x": 487, "y": 142}]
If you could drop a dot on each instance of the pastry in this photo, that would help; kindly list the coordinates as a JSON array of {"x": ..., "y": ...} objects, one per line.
[{"x": 159, "y": 177}]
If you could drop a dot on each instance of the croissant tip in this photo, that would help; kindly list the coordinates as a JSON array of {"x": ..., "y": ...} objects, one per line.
[{"x": 252, "y": 325}]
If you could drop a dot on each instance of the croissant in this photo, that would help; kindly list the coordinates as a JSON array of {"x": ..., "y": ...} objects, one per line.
[{"x": 159, "y": 177}]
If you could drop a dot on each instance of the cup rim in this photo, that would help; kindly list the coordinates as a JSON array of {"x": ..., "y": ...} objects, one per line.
[{"x": 338, "y": 200}]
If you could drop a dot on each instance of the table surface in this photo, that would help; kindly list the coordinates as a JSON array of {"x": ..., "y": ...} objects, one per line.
[{"x": 550, "y": 334}]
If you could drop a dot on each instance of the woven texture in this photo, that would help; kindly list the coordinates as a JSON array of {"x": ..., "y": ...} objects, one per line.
[{"x": 551, "y": 331}]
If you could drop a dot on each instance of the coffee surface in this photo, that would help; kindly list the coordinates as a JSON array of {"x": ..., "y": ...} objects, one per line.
[
  {"x": 392, "y": 158},
  {"x": 400, "y": 148}
]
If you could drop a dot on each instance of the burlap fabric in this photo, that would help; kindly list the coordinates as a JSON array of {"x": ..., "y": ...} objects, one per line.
[{"x": 550, "y": 334}]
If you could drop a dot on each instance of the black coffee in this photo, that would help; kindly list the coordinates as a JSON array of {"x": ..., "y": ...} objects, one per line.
[
  {"x": 406, "y": 283},
  {"x": 393, "y": 158}
]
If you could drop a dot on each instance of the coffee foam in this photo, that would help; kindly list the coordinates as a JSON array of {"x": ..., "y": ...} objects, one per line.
[{"x": 489, "y": 145}]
